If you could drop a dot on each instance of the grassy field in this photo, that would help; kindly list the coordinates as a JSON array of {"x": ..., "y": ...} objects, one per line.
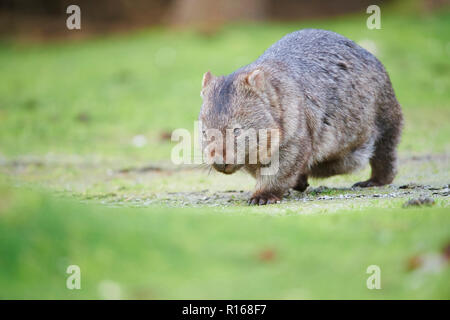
[
  {"x": 76, "y": 188},
  {"x": 93, "y": 97},
  {"x": 159, "y": 253}
]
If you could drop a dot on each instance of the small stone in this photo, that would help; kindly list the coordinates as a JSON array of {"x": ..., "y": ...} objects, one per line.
[
  {"x": 417, "y": 202},
  {"x": 321, "y": 189},
  {"x": 410, "y": 186}
]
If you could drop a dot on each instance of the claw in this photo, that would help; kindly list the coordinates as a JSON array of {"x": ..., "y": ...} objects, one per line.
[{"x": 263, "y": 199}]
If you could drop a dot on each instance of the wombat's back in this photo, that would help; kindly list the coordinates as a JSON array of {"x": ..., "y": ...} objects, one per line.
[
  {"x": 315, "y": 50},
  {"x": 345, "y": 90},
  {"x": 323, "y": 61}
]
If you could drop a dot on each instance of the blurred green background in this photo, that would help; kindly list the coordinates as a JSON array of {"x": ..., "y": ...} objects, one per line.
[{"x": 86, "y": 116}]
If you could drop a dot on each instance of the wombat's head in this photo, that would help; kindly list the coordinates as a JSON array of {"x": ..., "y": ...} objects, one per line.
[{"x": 238, "y": 119}]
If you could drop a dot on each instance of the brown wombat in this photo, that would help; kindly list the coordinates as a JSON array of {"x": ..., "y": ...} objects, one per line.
[{"x": 331, "y": 100}]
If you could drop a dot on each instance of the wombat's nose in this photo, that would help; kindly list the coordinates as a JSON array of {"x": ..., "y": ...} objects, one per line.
[
  {"x": 225, "y": 168},
  {"x": 219, "y": 167}
]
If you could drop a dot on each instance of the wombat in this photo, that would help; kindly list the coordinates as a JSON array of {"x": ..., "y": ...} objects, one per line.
[{"x": 331, "y": 100}]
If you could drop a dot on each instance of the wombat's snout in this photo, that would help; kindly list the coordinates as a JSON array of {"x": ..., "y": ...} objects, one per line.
[
  {"x": 225, "y": 168},
  {"x": 217, "y": 156}
]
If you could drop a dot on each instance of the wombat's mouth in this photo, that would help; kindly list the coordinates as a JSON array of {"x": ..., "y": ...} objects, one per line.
[{"x": 226, "y": 168}]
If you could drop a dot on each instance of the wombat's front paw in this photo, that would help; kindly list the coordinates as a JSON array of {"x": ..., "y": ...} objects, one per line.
[{"x": 262, "y": 198}]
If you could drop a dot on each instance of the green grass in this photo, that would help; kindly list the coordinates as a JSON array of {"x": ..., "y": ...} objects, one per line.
[
  {"x": 149, "y": 83},
  {"x": 165, "y": 253},
  {"x": 68, "y": 114}
]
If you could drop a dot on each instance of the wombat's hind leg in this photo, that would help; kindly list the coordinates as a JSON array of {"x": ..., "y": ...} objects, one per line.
[
  {"x": 383, "y": 164},
  {"x": 368, "y": 183},
  {"x": 302, "y": 183},
  {"x": 384, "y": 159}
]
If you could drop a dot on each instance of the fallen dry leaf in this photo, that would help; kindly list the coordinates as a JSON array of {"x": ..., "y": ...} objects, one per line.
[{"x": 267, "y": 255}]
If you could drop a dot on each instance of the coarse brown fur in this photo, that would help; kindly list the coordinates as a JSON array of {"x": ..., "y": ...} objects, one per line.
[{"x": 331, "y": 100}]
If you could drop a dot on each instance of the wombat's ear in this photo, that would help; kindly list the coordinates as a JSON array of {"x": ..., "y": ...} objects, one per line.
[
  {"x": 207, "y": 77},
  {"x": 255, "y": 79}
]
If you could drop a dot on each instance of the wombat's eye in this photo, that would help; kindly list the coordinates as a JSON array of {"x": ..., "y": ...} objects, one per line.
[
  {"x": 204, "y": 133},
  {"x": 237, "y": 131}
]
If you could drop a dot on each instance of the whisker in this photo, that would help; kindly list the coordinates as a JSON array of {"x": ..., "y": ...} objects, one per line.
[{"x": 201, "y": 166}]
